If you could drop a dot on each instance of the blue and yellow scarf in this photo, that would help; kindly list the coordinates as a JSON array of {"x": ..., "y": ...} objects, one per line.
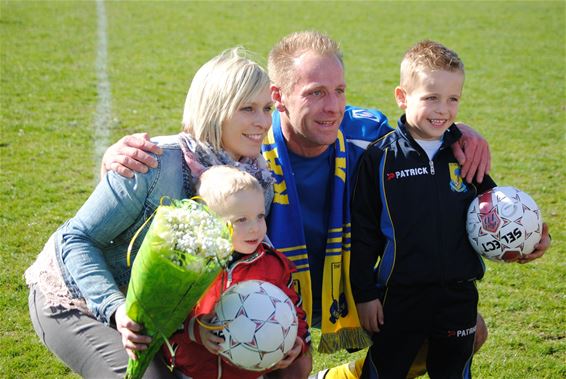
[{"x": 340, "y": 325}]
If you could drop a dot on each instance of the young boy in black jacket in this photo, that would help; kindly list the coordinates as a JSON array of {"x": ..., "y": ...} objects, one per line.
[{"x": 409, "y": 212}]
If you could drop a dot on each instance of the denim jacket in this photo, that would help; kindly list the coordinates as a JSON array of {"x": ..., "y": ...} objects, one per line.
[{"x": 91, "y": 247}]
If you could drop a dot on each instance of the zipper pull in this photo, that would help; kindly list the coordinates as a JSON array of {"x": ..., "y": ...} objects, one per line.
[
  {"x": 229, "y": 280},
  {"x": 431, "y": 163}
]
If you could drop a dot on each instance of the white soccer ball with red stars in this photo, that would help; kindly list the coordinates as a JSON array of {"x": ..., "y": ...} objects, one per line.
[
  {"x": 504, "y": 224},
  {"x": 260, "y": 324}
]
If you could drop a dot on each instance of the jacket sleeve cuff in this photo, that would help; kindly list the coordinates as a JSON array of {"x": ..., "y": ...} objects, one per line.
[
  {"x": 110, "y": 306},
  {"x": 367, "y": 295},
  {"x": 193, "y": 330}
]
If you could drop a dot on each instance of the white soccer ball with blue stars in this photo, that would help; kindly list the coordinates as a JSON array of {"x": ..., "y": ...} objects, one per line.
[
  {"x": 504, "y": 224},
  {"x": 260, "y": 324}
]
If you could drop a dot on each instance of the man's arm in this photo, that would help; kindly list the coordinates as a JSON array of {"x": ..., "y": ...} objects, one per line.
[
  {"x": 472, "y": 152},
  {"x": 130, "y": 155}
]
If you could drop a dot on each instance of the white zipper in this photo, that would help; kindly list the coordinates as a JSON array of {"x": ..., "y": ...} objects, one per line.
[{"x": 229, "y": 271}]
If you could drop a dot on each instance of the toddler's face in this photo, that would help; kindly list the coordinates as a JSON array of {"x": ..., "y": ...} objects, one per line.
[
  {"x": 432, "y": 104},
  {"x": 245, "y": 211}
]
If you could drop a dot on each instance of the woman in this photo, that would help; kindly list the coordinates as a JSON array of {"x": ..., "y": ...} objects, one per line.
[{"x": 77, "y": 284}]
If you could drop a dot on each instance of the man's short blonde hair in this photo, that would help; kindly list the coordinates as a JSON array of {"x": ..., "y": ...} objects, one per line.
[
  {"x": 218, "y": 183},
  {"x": 218, "y": 88},
  {"x": 281, "y": 60},
  {"x": 427, "y": 55}
]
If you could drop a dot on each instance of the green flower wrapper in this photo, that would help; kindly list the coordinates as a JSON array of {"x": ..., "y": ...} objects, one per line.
[{"x": 183, "y": 251}]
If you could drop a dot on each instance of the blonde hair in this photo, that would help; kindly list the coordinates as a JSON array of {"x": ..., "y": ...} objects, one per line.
[
  {"x": 427, "y": 55},
  {"x": 218, "y": 88},
  {"x": 218, "y": 183},
  {"x": 281, "y": 60}
]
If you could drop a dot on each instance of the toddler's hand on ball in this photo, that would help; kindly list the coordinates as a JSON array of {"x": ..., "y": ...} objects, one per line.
[
  {"x": 291, "y": 354},
  {"x": 209, "y": 336}
]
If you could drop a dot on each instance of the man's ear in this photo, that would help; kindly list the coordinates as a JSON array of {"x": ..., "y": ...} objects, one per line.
[
  {"x": 277, "y": 98},
  {"x": 401, "y": 97}
]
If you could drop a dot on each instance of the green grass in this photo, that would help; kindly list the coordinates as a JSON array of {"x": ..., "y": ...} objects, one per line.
[{"x": 514, "y": 95}]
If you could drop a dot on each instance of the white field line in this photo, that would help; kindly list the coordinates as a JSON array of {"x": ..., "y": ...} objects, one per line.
[{"x": 103, "y": 115}]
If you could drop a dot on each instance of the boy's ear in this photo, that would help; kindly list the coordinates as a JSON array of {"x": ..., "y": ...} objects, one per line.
[
  {"x": 401, "y": 97},
  {"x": 277, "y": 98}
]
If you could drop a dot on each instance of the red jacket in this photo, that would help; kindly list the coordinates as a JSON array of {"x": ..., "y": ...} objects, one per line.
[{"x": 191, "y": 357}]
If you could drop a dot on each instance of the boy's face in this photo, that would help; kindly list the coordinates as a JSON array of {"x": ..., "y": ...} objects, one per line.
[
  {"x": 431, "y": 105},
  {"x": 245, "y": 211}
]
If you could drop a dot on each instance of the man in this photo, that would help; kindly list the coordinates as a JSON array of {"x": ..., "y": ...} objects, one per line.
[{"x": 313, "y": 149}]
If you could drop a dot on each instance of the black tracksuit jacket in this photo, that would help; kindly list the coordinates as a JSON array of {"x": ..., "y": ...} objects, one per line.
[{"x": 409, "y": 213}]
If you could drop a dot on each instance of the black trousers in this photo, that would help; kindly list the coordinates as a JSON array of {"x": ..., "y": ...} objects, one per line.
[{"x": 442, "y": 315}]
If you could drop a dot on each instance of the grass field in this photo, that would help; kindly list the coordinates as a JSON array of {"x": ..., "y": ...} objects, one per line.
[{"x": 514, "y": 95}]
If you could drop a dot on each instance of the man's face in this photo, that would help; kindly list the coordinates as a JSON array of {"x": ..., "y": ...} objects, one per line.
[{"x": 313, "y": 108}]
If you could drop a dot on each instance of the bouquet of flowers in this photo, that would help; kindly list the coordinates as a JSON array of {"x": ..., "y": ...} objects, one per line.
[{"x": 183, "y": 251}]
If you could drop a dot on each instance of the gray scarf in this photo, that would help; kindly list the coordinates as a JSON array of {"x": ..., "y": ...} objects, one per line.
[{"x": 199, "y": 156}]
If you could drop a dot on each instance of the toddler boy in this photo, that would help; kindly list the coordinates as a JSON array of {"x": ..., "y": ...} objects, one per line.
[{"x": 238, "y": 198}]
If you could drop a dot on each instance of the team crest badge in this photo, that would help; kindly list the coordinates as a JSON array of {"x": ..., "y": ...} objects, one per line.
[{"x": 456, "y": 182}]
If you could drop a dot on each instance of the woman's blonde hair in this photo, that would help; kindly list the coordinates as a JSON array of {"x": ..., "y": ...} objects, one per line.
[
  {"x": 218, "y": 88},
  {"x": 220, "y": 182}
]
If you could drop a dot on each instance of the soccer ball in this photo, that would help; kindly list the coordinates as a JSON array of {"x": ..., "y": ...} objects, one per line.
[
  {"x": 260, "y": 324},
  {"x": 504, "y": 224}
]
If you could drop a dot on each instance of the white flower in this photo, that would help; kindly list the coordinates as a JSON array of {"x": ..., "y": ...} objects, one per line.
[{"x": 194, "y": 235}]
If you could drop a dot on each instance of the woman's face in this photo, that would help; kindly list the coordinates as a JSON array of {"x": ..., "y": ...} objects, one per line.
[{"x": 243, "y": 132}]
